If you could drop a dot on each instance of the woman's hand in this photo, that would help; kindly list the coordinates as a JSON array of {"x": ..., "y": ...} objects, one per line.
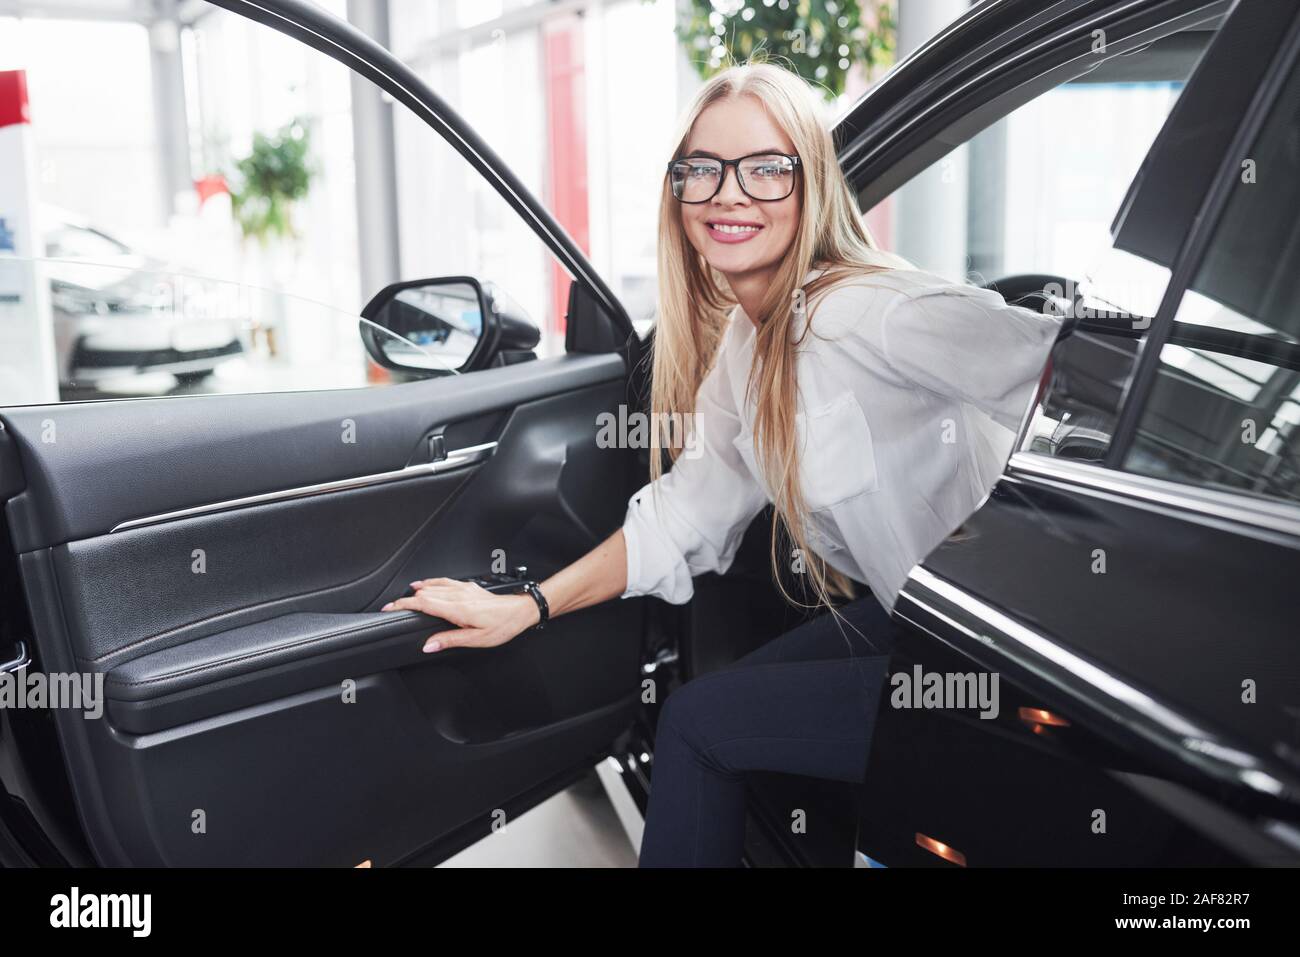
[{"x": 483, "y": 619}]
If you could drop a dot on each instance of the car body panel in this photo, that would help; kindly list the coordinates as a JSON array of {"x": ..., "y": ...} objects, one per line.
[{"x": 1156, "y": 753}]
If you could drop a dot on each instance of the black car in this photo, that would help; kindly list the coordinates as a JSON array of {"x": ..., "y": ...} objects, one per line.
[{"x": 1131, "y": 579}]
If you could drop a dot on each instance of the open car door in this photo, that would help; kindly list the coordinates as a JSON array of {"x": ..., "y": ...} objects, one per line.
[
  {"x": 219, "y": 562},
  {"x": 1129, "y": 580}
]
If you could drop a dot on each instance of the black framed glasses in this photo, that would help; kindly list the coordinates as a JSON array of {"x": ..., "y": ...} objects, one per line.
[{"x": 766, "y": 177}]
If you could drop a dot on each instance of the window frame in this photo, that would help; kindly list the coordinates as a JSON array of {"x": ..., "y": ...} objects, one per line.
[
  {"x": 903, "y": 126},
  {"x": 1108, "y": 477},
  {"x": 339, "y": 40},
  {"x": 991, "y": 62},
  {"x": 1200, "y": 236},
  {"x": 997, "y": 57}
]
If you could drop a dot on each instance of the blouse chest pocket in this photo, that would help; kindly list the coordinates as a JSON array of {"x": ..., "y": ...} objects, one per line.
[{"x": 837, "y": 458}]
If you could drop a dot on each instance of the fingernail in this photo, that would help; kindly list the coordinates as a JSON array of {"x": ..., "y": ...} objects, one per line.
[
  {"x": 432, "y": 646},
  {"x": 413, "y": 584},
  {"x": 388, "y": 607}
]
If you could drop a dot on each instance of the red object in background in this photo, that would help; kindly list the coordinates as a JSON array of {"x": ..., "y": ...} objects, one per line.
[
  {"x": 14, "y": 108},
  {"x": 209, "y": 186},
  {"x": 564, "y": 73},
  {"x": 880, "y": 222}
]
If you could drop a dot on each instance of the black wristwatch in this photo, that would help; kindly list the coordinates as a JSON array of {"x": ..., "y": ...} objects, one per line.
[{"x": 530, "y": 588}]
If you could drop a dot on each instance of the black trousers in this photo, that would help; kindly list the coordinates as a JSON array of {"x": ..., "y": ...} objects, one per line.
[{"x": 804, "y": 703}]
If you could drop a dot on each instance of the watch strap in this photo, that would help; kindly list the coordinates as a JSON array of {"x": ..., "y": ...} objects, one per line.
[{"x": 543, "y": 609}]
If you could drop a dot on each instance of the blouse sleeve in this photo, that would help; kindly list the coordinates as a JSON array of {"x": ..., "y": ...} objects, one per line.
[
  {"x": 969, "y": 344},
  {"x": 691, "y": 520}
]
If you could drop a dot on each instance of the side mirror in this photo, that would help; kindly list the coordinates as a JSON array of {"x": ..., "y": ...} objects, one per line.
[
  {"x": 446, "y": 325},
  {"x": 428, "y": 326},
  {"x": 516, "y": 335}
]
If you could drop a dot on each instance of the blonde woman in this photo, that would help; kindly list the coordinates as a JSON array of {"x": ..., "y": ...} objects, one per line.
[{"x": 873, "y": 405}]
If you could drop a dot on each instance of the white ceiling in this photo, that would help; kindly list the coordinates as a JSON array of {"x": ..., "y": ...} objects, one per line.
[{"x": 140, "y": 11}]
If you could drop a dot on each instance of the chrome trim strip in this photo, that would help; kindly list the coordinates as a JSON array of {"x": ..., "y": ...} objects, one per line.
[
  {"x": 1053, "y": 652},
  {"x": 1162, "y": 726},
  {"x": 1275, "y": 516},
  {"x": 460, "y": 458}
]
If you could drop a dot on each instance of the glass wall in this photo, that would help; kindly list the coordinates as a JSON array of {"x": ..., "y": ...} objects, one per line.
[
  {"x": 197, "y": 186},
  {"x": 538, "y": 84},
  {"x": 1033, "y": 193}
]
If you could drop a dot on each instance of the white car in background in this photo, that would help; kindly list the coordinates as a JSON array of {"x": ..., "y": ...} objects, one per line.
[{"x": 115, "y": 316}]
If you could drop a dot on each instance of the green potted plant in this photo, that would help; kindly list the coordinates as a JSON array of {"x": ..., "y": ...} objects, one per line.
[
  {"x": 821, "y": 40},
  {"x": 268, "y": 182},
  {"x": 265, "y": 188}
]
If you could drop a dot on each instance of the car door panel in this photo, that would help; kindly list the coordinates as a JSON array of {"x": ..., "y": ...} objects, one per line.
[
  {"x": 1179, "y": 655},
  {"x": 953, "y": 790},
  {"x": 227, "y": 683},
  {"x": 1125, "y": 619},
  {"x": 154, "y": 444},
  {"x": 135, "y": 591},
  {"x": 1093, "y": 701}
]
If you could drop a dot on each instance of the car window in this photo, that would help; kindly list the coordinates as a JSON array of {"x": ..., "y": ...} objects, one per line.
[
  {"x": 225, "y": 232},
  {"x": 1016, "y": 199},
  {"x": 1224, "y": 409},
  {"x": 1026, "y": 206}
]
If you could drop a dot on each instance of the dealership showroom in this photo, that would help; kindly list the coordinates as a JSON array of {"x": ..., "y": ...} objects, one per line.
[{"x": 651, "y": 433}]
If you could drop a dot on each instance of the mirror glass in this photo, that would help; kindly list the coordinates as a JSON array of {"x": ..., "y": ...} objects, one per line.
[{"x": 434, "y": 326}]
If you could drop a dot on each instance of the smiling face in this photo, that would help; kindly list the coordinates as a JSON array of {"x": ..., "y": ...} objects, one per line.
[{"x": 742, "y": 238}]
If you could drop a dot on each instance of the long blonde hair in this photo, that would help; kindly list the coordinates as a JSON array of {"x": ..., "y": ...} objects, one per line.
[{"x": 695, "y": 299}]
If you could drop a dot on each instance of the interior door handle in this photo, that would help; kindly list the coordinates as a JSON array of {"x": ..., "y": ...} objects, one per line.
[{"x": 21, "y": 660}]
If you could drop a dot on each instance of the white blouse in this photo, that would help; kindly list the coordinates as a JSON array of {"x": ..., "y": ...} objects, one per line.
[{"x": 912, "y": 391}]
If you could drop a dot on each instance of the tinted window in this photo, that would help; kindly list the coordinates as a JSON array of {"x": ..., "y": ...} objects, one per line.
[
  {"x": 1224, "y": 409},
  {"x": 1027, "y": 205}
]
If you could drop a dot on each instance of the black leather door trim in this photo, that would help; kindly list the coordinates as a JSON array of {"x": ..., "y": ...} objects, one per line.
[
  {"x": 281, "y": 640},
  {"x": 230, "y": 690},
  {"x": 91, "y": 465}
]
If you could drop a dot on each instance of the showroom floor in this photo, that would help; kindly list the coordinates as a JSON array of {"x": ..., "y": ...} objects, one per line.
[{"x": 576, "y": 828}]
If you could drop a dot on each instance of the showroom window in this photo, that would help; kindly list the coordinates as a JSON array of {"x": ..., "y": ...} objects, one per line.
[
  {"x": 578, "y": 124},
  {"x": 1224, "y": 409},
  {"x": 204, "y": 192}
]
